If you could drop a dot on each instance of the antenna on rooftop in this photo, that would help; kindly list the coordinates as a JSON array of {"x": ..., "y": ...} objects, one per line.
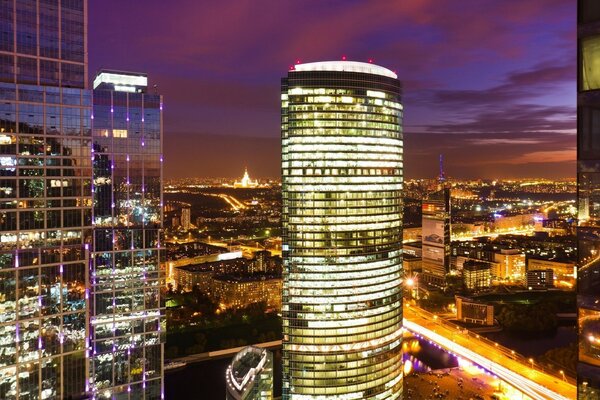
[{"x": 442, "y": 176}]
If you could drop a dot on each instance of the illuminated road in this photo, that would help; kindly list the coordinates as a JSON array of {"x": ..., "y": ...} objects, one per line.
[
  {"x": 251, "y": 249},
  {"x": 516, "y": 370},
  {"x": 235, "y": 204}
]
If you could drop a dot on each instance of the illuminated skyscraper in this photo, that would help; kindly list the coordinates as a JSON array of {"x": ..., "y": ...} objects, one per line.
[
  {"x": 127, "y": 318},
  {"x": 435, "y": 232},
  {"x": 342, "y": 221},
  {"x": 588, "y": 177},
  {"x": 45, "y": 198}
]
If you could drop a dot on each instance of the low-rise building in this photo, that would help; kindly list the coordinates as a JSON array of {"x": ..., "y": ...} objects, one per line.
[
  {"x": 235, "y": 291},
  {"x": 250, "y": 375},
  {"x": 411, "y": 264},
  {"x": 477, "y": 275},
  {"x": 188, "y": 276},
  {"x": 473, "y": 312},
  {"x": 411, "y": 234},
  {"x": 540, "y": 279},
  {"x": 511, "y": 265},
  {"x": 563, "y": 270}
]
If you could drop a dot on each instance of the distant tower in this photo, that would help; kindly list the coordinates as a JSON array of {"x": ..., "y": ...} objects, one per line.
[
  {"x": 442, "y": 177},
  {"x": 186, "y": 218},
  {"x": 435, "y": 225},
  {"x": 246, "y": 182}
]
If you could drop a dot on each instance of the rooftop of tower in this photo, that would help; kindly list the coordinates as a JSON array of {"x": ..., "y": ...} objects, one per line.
[{"x": 349, "y": 66}]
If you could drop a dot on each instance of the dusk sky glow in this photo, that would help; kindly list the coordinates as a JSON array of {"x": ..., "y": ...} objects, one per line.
[{"x": 489, "y": 83}]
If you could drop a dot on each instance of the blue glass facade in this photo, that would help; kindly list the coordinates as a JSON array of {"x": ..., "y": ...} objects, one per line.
[
  {"x": 52, "y": 52},
  {"x": 127, "y": 319},
  {"x": 80, "y": 217},
  {"x": 45, "y": 199},
  {"x": 45, "y": 220}
]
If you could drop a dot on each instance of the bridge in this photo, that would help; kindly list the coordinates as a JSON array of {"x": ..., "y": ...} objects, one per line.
[{"x": 522, "y": 373}]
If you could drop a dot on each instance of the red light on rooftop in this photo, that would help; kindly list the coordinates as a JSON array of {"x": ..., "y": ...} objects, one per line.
[
  {"x": 370, "y": 61},
  {"x": 291, "y": 68},
  {"x": 343, "y": 58},
  {"x": 297, "y": 61}
]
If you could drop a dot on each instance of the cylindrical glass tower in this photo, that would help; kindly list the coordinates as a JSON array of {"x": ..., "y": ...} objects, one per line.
[{"x": 342, "y": 219}]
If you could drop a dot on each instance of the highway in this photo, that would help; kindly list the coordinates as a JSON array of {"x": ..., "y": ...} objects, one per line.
[
  {"x": 516, "y": 370},
  {"x": 234, "y": 203}
]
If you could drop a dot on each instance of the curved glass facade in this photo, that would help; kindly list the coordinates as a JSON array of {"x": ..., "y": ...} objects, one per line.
[
  {"x": 342, "y": 220},
  {"x": 127, "y": 319}
]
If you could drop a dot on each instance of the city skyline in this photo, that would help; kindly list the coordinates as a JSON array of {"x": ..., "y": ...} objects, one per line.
[
  {"x": 496, "y": 96},
  {"x": 264, "y": 236}
]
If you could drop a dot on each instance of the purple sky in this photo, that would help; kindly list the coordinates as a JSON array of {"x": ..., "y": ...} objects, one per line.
[{"x": 489, "y": 83}]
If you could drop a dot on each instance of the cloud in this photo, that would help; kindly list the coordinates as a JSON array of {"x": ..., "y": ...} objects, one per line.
[
  {"x": 551, "y": 156},
  {"x": 502, "y": 141},
  {"x": 518, "y": 86},
  {"x": 484, "y": 80}
]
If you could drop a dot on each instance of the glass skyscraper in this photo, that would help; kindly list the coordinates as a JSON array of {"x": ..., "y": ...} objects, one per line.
[
  {"x": 80, "y": 216},
  {"x": 127, "y": 322},
  {"x": 45, "y": 199},
  {"x": 588, "y": 183},
  {"x": 342, "y": 231},
  {"x": 436, "y": 236}
]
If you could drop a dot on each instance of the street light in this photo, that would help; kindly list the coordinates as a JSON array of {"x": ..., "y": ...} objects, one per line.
[
  {"x": 413, "y": 282},
  {"x": 531, "y": 361}
]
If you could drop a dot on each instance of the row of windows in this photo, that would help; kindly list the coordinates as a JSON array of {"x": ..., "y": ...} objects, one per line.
[
  {"x": 292, "y": 109},
  {"x": 33, "y": 71},
  {"x": 44, "y": 256},
  {"x": 32, "y": 188},
  {"x": 327, "y": 124},
  {"x": 341, "y": 171},
  {"x": 333, "y": 198},
  {"x": 310, "y": 251},
  {"x": 345, "y": 364},
  {"x": 300, "y": 336},
  {"x": 300, "y": 133},
  {"x": 345, "y": 375},
  {"x": 300, "y": 212},
  {"x": 49, "y": 94},
  {"x": 333, "y": 116},
  {"x": 11, "y": 221}
]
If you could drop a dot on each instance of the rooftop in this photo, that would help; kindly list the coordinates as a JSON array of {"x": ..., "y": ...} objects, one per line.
[
  {"x": 348, "y": 66},
  {"x": 124, "y": 81}
]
